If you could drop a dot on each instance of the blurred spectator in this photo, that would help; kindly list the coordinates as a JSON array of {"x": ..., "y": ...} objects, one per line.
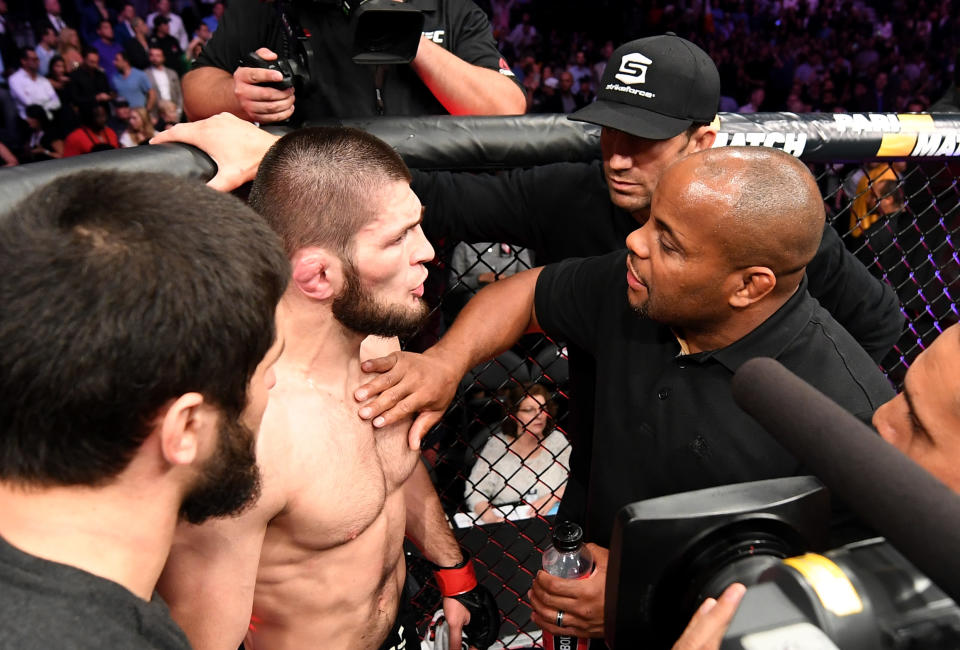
[
  {"x": 124, "y": 30},
  {"x": 950, "y": 102},
  {"x": 94, "y": 14},
  {"x": 28, "y": 86},
  {"x": 119, "y": 117},
  {"x": 93, "y": 134},
  {"x": 199, "y": 41},
  {"x": 59, "y": 78},
  {"x": 597, "y": 70},
  {"x": 133, "y": 84},
  {"x": 474, "y": 266},
  {"x": 523, "y": 36},
  {"x": 164, "y": 79},
  {"x": 88, "y": 85},
  {"x": 43, "y": 142},
  {"x": 107, "y": 47},
  {"x": 176, "y": 28},
  {"x": 585, "y": 95},
  {"x": 172, "y": 51},
  {"x": 47, "y": 44},
  {"x": 53, "y": 17},
  {"x": 169, "y": 115},
  {"x": 139, "y": 129},
  {"x": 757, "y": 96},
  {"x": 579, "y": 70},
  {"x": 213, "y": 20},
  {"x": 138, "y": 47},
  {"x": 70, "y": 49},
  {"x": 564, "y": 100},
  {"x": 526, "y": 464}
]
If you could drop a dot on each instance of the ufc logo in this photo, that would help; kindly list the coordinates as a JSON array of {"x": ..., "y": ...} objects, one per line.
[
  {"x": 633, "y": 68},
  {"x": 436, "y": 36}
]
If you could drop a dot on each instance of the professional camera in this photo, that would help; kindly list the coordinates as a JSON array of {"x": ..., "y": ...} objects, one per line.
[
  {"x": 385, "y": 32},
  {"x": 670, "y": 553}
]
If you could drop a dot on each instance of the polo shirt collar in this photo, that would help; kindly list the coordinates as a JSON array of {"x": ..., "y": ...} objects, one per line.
[{"x": 772, "y": 336}]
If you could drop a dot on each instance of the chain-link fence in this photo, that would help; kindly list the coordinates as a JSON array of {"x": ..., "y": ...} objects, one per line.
[{"x": 500, "y": 456}]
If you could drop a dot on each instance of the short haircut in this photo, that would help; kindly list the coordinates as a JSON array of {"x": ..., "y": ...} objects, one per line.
[
  {"x": 121, "y": 292},
  {"x": 314, "y": 185},
  {"x": 24, "y": 51},
  {"x": 87, "y": 49}
]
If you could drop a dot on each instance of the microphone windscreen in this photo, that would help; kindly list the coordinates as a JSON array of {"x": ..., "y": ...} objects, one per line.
[{"x": 917, "y": 513}]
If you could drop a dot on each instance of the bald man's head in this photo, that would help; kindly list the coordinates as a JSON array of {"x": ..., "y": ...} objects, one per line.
[{"x": 769, "y": 211}]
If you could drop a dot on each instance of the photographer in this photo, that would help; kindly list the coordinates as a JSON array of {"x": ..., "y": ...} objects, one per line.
[{"x": 457, "y": 68}]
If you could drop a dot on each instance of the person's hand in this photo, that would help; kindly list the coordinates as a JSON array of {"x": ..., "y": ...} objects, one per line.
[
  {"x": 261, "y": 103},
  {"x": 710, "y": 622},
  {"x": 235, "y": 145},
  {"x": 457, "y": 615},
  {"x": 580, "y": 600},
  {"x": 407, "y": 384},
  {"x": 487, "y": 278}
]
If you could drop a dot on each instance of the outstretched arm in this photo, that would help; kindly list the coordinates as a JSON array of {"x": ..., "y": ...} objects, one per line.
[
  {"x": 426, "y": 383},
  {"x": 236, "y": 146},
  {"x": 464, "y": 88}
]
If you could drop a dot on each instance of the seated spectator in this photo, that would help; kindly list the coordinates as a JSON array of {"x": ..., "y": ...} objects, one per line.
[
  {"x": 107, "y": 47},
  {"x": 119, "y": 117},
  {"x": 59, "y": 78},
  {"x": 198, "y": 42},
  {"x": 133, "y": 84},
  {"x": 139, "y": 129},
  {"x": 95, "y": 13},
  {"x": 474, "y": 266},
  {"x": 756, "y": 101},
  {"x": 70, "y": 49},
  {"x": 43, "y": 142},
  {"x": 93, "y": 134},
  {"x": 526, "y": 464},
  {"x": 29, "y": 87},
  {"x": 165, "y": 80},
  {"x": 213, "y": 20},
  {"x": 172, "y": 51},
  {"x": 138, "y": 47},
  {"x": 169, "y": 115},
  {"x": 47, "y": 43},
  {"x": 173, "y": 21},
  {"x": 88, "y": 85}
]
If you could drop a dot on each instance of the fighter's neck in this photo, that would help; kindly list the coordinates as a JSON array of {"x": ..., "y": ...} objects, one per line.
[
  {"x": 315, "y": 343},
  {"x": 121, "y": 532}
]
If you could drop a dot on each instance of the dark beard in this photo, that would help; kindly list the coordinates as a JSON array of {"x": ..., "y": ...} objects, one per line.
[
  {"x": 230, "y": 479},
  {"x": 356, "y": 309}
]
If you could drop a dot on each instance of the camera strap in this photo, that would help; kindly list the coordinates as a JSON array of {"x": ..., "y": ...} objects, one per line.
[{"x": 296, "y": 41}]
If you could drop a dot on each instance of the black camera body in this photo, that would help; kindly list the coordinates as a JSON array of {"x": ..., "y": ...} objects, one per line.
[
  {"x": 668, "y": 554},
  {"x": 294, "y": 70}
]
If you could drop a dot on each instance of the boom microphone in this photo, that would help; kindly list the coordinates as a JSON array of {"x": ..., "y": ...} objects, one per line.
[{"x": 917, "y": 513}]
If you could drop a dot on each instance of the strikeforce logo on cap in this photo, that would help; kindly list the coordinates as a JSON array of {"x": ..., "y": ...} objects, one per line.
[{"x": 633, "y": 68}]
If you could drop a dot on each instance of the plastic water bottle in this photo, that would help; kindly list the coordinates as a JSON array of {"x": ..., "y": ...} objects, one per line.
[{"x": 567, "y": 558}]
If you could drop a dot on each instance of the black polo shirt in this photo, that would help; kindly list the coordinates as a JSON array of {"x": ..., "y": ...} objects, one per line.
[
  {"x": 665, "y": 422},
  {"x": 343, "y": 88}
]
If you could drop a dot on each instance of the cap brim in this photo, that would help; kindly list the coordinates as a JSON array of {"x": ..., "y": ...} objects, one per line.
[{"x": 631, "y": 119}]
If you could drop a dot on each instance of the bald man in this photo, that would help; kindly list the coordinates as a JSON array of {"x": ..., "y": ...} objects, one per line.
[{"x": 713, "y": 278}]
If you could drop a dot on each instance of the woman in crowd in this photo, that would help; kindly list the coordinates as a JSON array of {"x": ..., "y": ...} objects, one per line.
[
  {"x": 525, "y": 464},
  {"x": 43, "y": 142},
  {"x": 139, "y": 129},
  {"x": 70, "y": 49},
  {"x": 93, "y": 133}
]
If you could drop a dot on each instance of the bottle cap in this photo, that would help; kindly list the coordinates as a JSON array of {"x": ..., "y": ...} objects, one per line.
[{"x": 568, "y": 536}]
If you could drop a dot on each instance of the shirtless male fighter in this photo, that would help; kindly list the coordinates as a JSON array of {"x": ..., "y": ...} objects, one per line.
[{"x": 319, "y": 561}]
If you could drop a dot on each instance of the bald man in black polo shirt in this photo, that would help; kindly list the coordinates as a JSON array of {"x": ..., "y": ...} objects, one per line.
[{"x": 714, "y": 277}]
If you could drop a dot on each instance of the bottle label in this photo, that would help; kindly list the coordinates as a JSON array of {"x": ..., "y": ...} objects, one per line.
[{"x": 564, "y": 642}]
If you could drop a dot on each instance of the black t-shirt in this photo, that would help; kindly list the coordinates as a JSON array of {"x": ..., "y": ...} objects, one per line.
[
  {"x": 343, "y": 88},
  {"x": 563, "y": 210},
  {"x": 48, "y": 605},
  {"x": 666, "y": 423}
]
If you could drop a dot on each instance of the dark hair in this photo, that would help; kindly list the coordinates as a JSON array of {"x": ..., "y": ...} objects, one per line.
[
  {"x": 314, "y": 184},
  {"x": 23, "y": 52},
  {"x": 160, "y": 20},
  {"x": 124, "y": 55},
  {"x": 37, "y": 112},
  {"x": 516, "y": 394},
  {"x": 120, "y": 292},
  {"x": 54, "y": 59},
  {"x": 90, "y": 50}
]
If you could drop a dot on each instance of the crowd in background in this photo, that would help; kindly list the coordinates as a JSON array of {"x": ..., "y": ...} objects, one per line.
[
  {"x": 773, "y": 55},
  {"x": 86, "y": 75}
]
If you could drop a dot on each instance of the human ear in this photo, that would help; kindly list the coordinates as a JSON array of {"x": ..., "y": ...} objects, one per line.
[
  {"x": 752, "y": 285},
  {"x": 317, "y": 273},
  {"x": 703, "y": 138},
  {"x": 181, "y": 428}
]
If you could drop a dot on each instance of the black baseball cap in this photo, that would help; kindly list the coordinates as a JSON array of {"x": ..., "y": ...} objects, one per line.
[{"x": 655, "y": 88}]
